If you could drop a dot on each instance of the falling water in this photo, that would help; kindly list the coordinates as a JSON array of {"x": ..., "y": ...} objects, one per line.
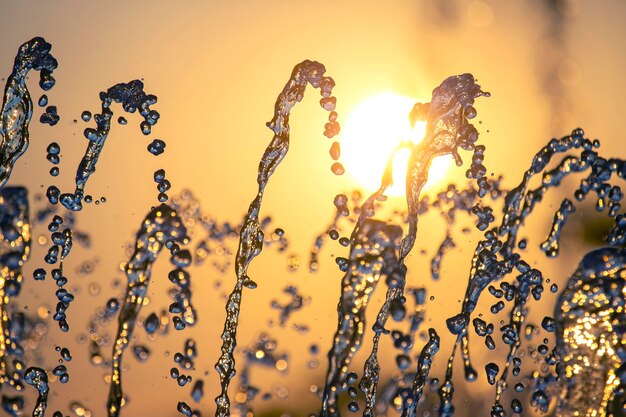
[
  {"x": 161, "y": 228},
  {"x": 16, "y": 240},
  {"x": 17, "y": 107},
  {"x": 588, "y": 319},
  {"x": 371, "y": 255},
  {"x": 251, "y": 235},
  {"x": 133, "y": 98},
  {"x": 447, "y": 129}
]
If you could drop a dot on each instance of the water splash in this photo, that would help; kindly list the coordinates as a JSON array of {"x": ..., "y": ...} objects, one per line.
[
  {"x": 591, "y": 339},
  {"x": 161, "y": 228},
  {"x": 394, "y": 299},
  {"x": 251, "y": 235},
  {"x": 38, "y": 378},
  {"x": 447, "y": 130},
  {"x": 591, "y": 293},
  {"x": 495, "y": 258},
  {"x": 551, "y": 245},
  {"x": 424, "y": 364},
  {"x": 297, "y": 302},
  {"x": 17, "y": 107},
  {"x": 132, "y": 98},
  {"x": 15, "y": 242},
  {"x": 370, "y": 256},
  {"x": 343, "y": 212}
]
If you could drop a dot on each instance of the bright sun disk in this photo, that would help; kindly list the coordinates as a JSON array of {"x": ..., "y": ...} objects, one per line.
[{"x": 371, "y": 134}]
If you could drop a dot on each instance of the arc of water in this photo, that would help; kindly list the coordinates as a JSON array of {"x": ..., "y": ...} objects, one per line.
[
  {"x": 518, "y": 204},
  {"x": 132, "y": 97},
  {"x": 17, "y": 107},
  {"x": 447, "y": 129},
  {"x": 374, "y": 248},
  {"x": 161, "y": 228},
  {"x": 251, "y": 235}
]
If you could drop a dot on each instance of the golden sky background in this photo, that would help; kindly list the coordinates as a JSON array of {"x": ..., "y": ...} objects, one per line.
[{"x": 217, "y": 68}]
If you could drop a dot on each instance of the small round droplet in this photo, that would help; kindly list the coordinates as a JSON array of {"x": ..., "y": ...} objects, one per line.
[
  {"x": 337, "y": 168},
  {"x": 156, "y": 147},
  {"x": 113, "y": 305},
  {"x": 335, "y": 151}
]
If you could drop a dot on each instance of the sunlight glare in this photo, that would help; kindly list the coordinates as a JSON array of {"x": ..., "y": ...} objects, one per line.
[{"x": 372, "y": 132}]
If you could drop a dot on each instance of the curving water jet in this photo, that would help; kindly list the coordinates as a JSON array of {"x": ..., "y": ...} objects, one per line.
[
  {"x": 132, "y": 98},
  {"x": 17, "y": 106},
  {"x": 251, "y": 236},
  {"x": 447, "y": 130},
  {"x": 162, "y": 228},
  {"x": 371, "y": 255}
]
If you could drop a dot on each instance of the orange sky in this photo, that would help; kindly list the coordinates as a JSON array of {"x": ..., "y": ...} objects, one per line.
[{"x": 217, "y": 68}]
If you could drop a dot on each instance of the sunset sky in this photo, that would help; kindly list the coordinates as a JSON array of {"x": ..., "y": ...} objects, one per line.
[{"x": 217, "y": 68}]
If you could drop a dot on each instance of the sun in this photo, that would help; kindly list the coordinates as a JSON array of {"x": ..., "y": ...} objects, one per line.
[{"x": 372, "y": 132}]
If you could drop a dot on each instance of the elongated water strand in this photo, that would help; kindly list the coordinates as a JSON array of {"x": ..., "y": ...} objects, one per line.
[
  {"x": 396, "y": 273},
  {"x": 161, "y": 228},
  {"x": 132, "y": 98},
  {"x": 372, "y": 251},
  {"x": 15, "y": 242},
  {"x": 447, "y": 129},
  {"x": 251, "y": 235},
  {"x": 487, "y": 268},
  {"x": 447, "y": 245},
  {"x": 346, "y": 348},
  {"x": 424, "y": 363},
  {"x": 591, "y": 341},
  {"x": 17, "y": 106},
  {"x": 38, "y": 378},
  {"x": 495, "y": 258},
  {"x": 447, "y": 117},
  {"x": 551, "y": 245}
]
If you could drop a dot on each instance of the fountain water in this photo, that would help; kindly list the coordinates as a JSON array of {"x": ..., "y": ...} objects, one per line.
[{"x": 588, "y": 317}]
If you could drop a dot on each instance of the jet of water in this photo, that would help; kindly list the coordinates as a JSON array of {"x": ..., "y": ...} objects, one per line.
[
  {"x": 161, "y": 228},
  {"x": 15, "y": 242},
  {"x": 17, "y": 107},
  {"x": 251, "y": 235}
]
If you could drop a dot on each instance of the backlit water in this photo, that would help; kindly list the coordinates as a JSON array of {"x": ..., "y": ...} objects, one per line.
[{"x": 583, "y": 373}]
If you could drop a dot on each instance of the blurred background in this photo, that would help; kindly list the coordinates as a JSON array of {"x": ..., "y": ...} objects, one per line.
[{"x": 217, "y": 68}]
